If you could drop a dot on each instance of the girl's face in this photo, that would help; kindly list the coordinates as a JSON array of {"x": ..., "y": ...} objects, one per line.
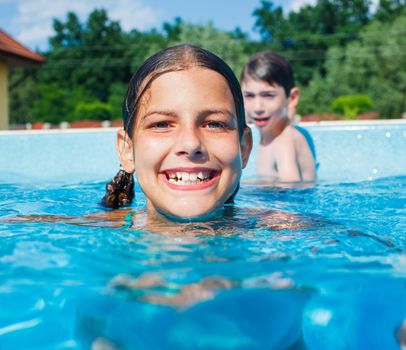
[
  {"x": 264, "y": 104},
  {"x": 186, "y": 150}
]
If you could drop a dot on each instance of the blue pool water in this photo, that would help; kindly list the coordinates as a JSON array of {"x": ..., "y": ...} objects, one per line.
[{"x": 321, "y": 267}]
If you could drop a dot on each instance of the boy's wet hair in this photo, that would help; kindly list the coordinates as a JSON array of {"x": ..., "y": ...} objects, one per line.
[
  {"x": 172, "y": 59},
  {"x": 271, "y": 68}
]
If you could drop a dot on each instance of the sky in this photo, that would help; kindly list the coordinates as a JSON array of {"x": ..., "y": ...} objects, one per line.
[{"x": 30, "y": 21}]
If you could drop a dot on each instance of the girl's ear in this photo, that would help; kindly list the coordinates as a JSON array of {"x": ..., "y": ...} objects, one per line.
[
  {"x": 246, "y": 146},
  {"x": 125, "y": 151},
  {"x": 293, "y": 101}
]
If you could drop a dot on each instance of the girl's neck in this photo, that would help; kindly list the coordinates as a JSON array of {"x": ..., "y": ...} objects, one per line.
[
  {"x": 157, "y": 217},
  {"x": 276, "y": 128}
]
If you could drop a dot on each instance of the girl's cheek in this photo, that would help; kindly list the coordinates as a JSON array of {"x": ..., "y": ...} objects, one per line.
[
  {"x": 150, "y": 149},
  {"x": 227, "y": 147}
]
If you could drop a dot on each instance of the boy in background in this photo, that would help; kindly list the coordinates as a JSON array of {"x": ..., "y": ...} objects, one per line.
[{"x": 286, "y": 153}]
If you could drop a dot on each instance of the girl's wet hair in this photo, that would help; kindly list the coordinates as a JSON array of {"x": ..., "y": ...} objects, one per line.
[
  {"x": 120, "y": 191},
  {"x": 176, "y": 58},
  {"x": 271, "y": 68}
]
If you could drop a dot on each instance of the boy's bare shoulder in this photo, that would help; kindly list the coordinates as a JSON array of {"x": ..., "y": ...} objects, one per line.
[
  {"x": 292, "y": 136},
  {"x": 289, "y": 136}
]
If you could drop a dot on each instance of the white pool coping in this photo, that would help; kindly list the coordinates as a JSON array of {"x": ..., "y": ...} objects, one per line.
[
  {"x": 354, "y": 122},
  {"x": 341, "y": 123},
  {"x": 57, "y": 131}
]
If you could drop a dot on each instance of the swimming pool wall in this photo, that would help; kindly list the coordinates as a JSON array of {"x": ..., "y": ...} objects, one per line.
[{"x": 345, "y": 152}]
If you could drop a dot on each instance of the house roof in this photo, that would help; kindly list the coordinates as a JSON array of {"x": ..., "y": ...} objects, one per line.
[{"x": 16, "y": 54}]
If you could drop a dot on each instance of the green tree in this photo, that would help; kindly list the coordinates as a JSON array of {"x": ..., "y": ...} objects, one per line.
[
  {"x": 373, "y": 65},
  {"x": 388, "y": 9},
  {"x": 271, "y": 23},
  {"x": 221, "y": 43},
  {"x": 23, "y": 93},
  {"x": 92, "y": 55},
  {"x": 68, "y": 34},
  {"x": 56, "y": 104},
  {"x": 116, "y": 98},
  {"x": 142, "y": 45},
  {"x": 304, "y": 36}
]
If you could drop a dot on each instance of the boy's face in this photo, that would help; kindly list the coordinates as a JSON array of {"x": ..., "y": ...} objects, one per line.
[
  {"x": 264, "y": 104},
  {"x": 186, "y": 149}
]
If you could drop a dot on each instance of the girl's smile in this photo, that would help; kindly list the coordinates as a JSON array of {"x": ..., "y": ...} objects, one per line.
[{"x": 188, "y": 179}]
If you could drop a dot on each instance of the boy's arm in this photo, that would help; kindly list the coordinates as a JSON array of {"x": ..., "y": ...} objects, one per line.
[{"x": 286, "y": 162}]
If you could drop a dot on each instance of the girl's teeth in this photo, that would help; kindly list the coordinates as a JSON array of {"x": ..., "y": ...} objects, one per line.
[{"x": 184, "y": 178}]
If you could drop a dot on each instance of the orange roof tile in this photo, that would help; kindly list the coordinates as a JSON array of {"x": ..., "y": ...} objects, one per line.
[{"x": 15, "y": 53}]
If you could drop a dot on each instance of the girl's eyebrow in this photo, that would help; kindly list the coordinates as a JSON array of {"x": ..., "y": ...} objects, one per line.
[
  {"x": 174, "y": 114},
  {"x": 225, "y": 112},
  {"x": 168, "y": 113}
]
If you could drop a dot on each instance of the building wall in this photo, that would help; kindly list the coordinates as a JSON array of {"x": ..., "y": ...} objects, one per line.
[{"x": 4, "y": 117}]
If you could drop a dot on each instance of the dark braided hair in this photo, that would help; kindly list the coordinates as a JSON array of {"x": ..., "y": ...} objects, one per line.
[{"x": 120, "y": 191}]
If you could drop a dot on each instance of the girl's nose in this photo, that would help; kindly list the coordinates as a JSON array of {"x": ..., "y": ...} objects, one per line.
[{"x": 189, "y": 144}]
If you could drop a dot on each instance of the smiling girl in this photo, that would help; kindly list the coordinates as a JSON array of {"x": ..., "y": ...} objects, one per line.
[{"x": 184, "y": 136}]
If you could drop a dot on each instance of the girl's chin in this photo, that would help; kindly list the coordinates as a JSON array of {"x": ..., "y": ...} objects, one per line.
[{"x": 184, "y": 214}]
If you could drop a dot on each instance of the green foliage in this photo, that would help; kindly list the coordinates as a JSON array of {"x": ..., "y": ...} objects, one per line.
[
  {"x": 314, "y": 98},
  {"x": 352, "y": 105},
  {"x": 92, "y": 111},
  {"x": 305, "y": 35},
  {"x": 221, "y": 43},
  {"x": 141, "y": 46},
  {"x": 372, "y": 65},
  {"x": 52, "y": 105},
  {"x": 56, "y": 104},
  {"x": 23, "y": 93},
  {"x": 116, "y": 97},
  {"x": 92, "y": 55},
  {"x": 388, "y": 9},
  {"x": 271, "y": 23},
  {"x": 336, "y": 48}
]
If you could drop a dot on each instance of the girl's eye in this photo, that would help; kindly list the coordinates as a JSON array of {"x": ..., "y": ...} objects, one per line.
[{"x": 160, "y": 125}]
